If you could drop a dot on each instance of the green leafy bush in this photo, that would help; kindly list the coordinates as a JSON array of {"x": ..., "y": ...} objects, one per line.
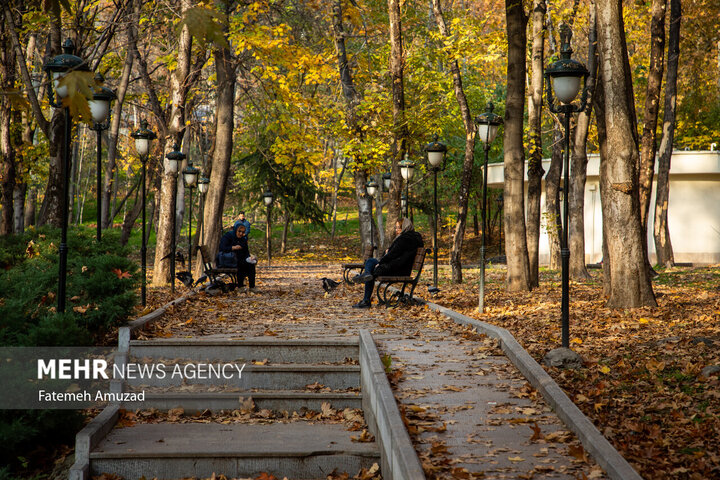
[{"x": 100, "y": 287}]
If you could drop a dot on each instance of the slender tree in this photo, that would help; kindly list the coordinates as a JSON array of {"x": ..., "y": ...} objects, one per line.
[
  {"x": 629, "y": 278},
  {"x": 226, "y": 65},
  {"x": 535, "y": 168},
  {"x": 578, "y": 269},
  {"x": 179, "y": 88},
  {"x": 401, "y": 132},
  {"x": 661, "y": 232},
  {"x": 518, "y": 267},
  {"x": 469, "y": 157},
  {"x": 648, "y": 141}
]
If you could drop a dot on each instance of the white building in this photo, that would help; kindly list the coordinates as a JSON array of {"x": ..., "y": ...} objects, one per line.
[{"x": 693, "y": 210}]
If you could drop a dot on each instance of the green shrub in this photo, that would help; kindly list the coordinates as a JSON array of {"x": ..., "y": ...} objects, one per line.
[{"x": 100, "y": 288}]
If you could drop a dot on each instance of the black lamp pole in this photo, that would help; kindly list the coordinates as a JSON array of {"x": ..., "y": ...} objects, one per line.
[
  {"x": 190, "y": 177},
  {"x": 174, "y": 158},
  {"x": 100, "y": 109},
  {"x": 488, "y": 124},
  {"x": 268, "y": 199},
  {"x": 56, "y": 68},
  {"x": 407, "y": 169},
  {"x": 565, "y": 74},
  {"x": 371, "y": 188},
  {"x": 203, "y": 185},
  {"x": 143, "y": 137},
  {"x": 436, "y": 157}
]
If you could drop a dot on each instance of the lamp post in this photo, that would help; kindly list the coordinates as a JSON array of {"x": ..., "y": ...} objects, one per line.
[
  {"x": 487, "y": 125},
  {"x": 203, "y": 186},
  {"x": 268, "y": 199},
  {"x": 100, "y": 110},
  {"x": 407, "y": 170},
  {"x": 565, "y": 76},
  {"x": 403, "y": 202},
  {"x": 56, "y": 69},
  {"x": 371, "y": 187},
  {"x": 387, "y": 180},
  {"x": 174, "y": 159},
  {"x": 190, "y": 177},
  {"x": 436, "y": 157},
  {"x": 143, "y": 137}
]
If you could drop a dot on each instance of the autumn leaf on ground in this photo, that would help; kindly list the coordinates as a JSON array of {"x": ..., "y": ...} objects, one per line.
[
  {"x": 439, "y": 447},
  {"x": 537, "y": 433},
  {"x": 327, "y": 410},
  {"x": 120, "y": 274},
  {"x": 369, "y": 474},
  {"x": 335, "y": 475},
  {"x": 364, "y": 436},
  {"x": 265, "y": 476},
  {"x": 577, "y": 452}
]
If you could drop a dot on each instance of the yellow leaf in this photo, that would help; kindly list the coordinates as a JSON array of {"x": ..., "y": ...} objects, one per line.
[{"x": 605, "y": 369}]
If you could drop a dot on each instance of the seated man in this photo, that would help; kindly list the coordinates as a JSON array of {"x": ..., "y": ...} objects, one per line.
[
  {"x": 236, "y": 241},
  {"x": 398, "y": 259}
]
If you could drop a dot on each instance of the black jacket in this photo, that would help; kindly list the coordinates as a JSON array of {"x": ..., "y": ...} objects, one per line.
[
  {"x": 400, "y": 255},
  {"x": 229, "y": 240}
]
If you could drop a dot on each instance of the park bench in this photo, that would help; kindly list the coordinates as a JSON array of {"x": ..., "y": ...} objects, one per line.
[
  {"x": 391, "y": 289},
  {"x": 215, "y": 274},
  {"x": 348, "y": 268}
]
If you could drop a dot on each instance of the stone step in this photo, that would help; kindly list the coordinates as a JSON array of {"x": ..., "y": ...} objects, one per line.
[
  {"x": 261, "y": 377},
  {"x": 275, "y": 401},
  {"x": 297, "y": 450},
  {"x": 331, "y": 350}
]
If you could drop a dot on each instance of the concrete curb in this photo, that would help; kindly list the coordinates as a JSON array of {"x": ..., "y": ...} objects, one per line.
[
  {"x": 125, "y": 333},
  {"x": 593, "y": 441},
  {"x": 88, "y": 438},
  {"x": 398, "y": 456}
]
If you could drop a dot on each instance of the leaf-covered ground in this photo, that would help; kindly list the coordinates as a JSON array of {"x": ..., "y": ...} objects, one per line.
[{"x": 642, "y": 383}]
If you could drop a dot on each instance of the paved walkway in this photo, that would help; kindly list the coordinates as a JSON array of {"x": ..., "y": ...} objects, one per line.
[{"x": 470, "y": 412}]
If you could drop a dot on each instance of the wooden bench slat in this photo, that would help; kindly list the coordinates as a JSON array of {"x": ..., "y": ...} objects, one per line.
[{"x": 406, "y": 280}]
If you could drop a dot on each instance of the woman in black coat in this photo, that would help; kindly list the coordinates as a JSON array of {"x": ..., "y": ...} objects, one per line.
[
  {"x": 236, "y": 241},
  {"x": 397, "y": 260}
]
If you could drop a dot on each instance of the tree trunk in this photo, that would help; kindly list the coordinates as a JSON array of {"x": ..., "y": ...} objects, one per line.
[
  {"x": 401, "y": 134},
  {"x": 518, "y": 266},
  {"x": 51, "y": 208},
  {"x": 19, "y": 207},
  {"x": 661, "y": 232},
  {"x": 112, "y": 152},
  {"x": 225, "y": 66},
  {"x": 648, "y": 142},
  {"x": 179, "y": 87},
  {"x": 552, "y": 196},
  {"x": 535, "y": 168},
  {"x": 469, "y": 158},
  {"x": 352, "y": 98},
  {"x": 30, "y": 207},
  {"x": 286, "y": 227},
  {"x": 578, "y": 269},
  {"x": 629, "y": 278},
  {"x": 130, "y": 218}
]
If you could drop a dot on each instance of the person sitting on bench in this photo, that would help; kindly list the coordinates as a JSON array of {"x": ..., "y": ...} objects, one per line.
[
  {"x": 236, "y": 241},
  {"x": 397, "y": 260}
]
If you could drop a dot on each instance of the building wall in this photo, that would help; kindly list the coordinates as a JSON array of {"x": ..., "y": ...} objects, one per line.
[{"x": 693, "y": 210}]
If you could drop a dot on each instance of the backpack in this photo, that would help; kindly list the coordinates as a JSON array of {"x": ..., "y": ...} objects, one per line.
[{"x": 226, "y": 260}]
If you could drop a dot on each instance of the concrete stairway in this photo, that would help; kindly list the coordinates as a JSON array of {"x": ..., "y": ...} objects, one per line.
[{"x": 278, "y": 381}]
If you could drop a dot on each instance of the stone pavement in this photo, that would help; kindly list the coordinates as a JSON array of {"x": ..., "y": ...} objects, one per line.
[{"x": 470, "y": 413}]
